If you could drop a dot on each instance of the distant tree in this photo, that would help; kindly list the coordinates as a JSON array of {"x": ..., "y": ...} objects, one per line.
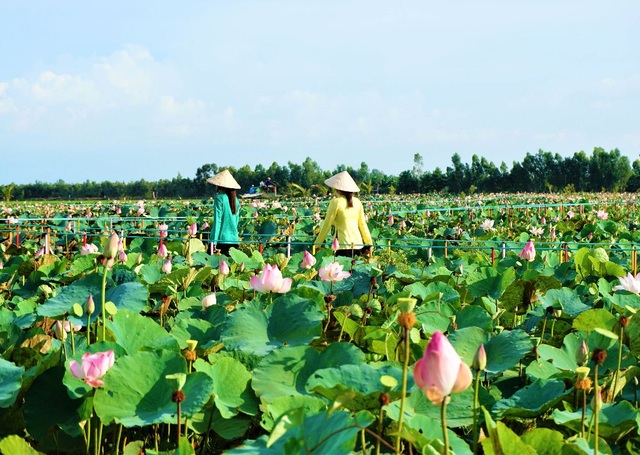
[{"x": 7, "y": 190}]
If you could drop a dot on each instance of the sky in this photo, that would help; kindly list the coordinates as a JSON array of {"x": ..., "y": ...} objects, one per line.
[{"x": 131, "y": 90}]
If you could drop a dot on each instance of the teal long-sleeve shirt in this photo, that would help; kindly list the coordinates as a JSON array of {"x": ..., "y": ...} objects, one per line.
[{"x": 225, "y": 223}]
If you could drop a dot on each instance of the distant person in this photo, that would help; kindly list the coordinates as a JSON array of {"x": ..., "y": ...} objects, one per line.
[
  {"x": 346, "y": 213},
  {"x": 226, "y": 212},
  {"x": 269, "y": 185}
]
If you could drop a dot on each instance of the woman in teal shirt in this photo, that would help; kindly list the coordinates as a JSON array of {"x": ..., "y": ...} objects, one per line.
[{"x": 226, "y": 212}]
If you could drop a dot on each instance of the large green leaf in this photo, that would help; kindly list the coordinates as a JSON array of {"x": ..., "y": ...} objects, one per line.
[
  {"x": 134, "y": 332},
  {"x": 598, "y": 318},
  {"x": 506, "y": 350},
  {"x": 546, "y": 441},
  {"x": 76, "y": 292},
  {"x": 488, "y": 281},
  {"x": 48, "y": 405},
  {"x": 614, "y": 420},
  {"x": 286, "y": 370},
  {"x": 532, "y": 400},
  {"x": 357, "y": 387},
  {"x": 15, "y": 445},
  {"x": 502, "y": 440},
  {"x": 289, "y": 321},
  {"x": 195, "y": 329},
  {"x": 565, "y": 299},
  {"x": 10, "y": 382},
  {"x": 231, "y": 390},
  {"x": 136, "y": 391},
  {"x": 419, "y": 411},
  {"x": 131, "y": 296},
  {"x": 295, "y": 433}
]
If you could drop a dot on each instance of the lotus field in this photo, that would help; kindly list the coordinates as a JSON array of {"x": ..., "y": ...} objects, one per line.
[{"x": 497, "y": 324}]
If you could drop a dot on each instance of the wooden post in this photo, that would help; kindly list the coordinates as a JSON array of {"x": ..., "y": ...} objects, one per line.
[
  {"x": 446, "y": 248},
  {"x": 634, "y": 260},
  {"x": 493, "y": 255},
  {"x": 504, "y": 250}
]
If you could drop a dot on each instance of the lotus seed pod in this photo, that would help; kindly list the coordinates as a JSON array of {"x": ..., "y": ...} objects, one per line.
[{"x": 407, "y": 304}]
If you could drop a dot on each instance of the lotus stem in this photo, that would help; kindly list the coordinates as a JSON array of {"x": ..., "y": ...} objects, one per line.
[
  {"x": 118, "y": 438},
  {"x": 617, "y": 373},
  {"x": 104, "y": 301},
  {"x": 443, "y": 417},
  {"x": 475, "y": 412},
  {"x": 403, "y": 396},
  {"x": 596, "y": 411}
]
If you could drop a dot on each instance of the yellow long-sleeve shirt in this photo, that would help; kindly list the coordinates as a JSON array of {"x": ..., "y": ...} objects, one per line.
[{"x": 351, "y": 225}]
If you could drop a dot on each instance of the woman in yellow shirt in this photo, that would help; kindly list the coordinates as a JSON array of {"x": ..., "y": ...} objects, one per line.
[{"x": 345, "y": 212}]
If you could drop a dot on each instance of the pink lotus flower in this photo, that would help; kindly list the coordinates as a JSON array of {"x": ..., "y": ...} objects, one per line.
[
  {"x": 224, "y": 268},
  {"x": 602, "y": 215},
  {"x": 333, "y": 272},
  {"x": 629, "y": 283},
  {"x": 528, "y": 253},
  {"x": 193, "y": 229},
  {"x": 93, "y": 368},
  {"x": 209, "y": 300},
  {"x": 88, "y": 248},
  {"x": 440, "y": 371},
  {"x": 571, "y": 214},
  {"x": 162, "y": 230},
  {"x": 167, "y": 266},
  {"x": 271, "y": 280},
  {"x": 162, "y": 251},
  {"x": 487, "y": 225},
  {"x": 308, "y": 260}
]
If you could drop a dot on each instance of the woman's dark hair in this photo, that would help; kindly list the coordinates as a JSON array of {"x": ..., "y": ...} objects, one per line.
[
  {"x": 348, "y": 196},
  {"x": 231, "y": 194}
]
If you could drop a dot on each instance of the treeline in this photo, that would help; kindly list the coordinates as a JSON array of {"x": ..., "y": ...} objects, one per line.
[{"x": 540, "y": 172}]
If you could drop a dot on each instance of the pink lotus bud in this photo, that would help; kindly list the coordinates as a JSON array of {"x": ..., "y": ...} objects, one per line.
[
  {"x": 390, "y": 221},
  {"x": 162, "y": 230},
  {"x": 528, "y": 253},
  {"x": 59, "y": 332},
  {"x": 209, "y": 300},
  {"x": 403, "y": 225},
  {"x": 193, "y": 230},
  {"x": 162, "y": 251},
  {"x": 480, "y": 359},
  {"x": 111, "y": 248},
  {"x": 224, "y": 268},
  {"x": 335, "y": 245},
  {"x": 308, "y": 260},
  {"x": 89, "y": 306},
  {"x": 205, "y": 226},
  {"x": 122, "y": 256},
  {"x": 93, "y": 367},
  {"x": 39, "y": 253},
  {"x": 167, "y": 266},
  {"x": 440, "y": 371}
]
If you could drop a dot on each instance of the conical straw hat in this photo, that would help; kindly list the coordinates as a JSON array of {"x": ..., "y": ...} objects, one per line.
[
  {"x": 225, "y": 180},
  {"x": 343, "y": 182}
]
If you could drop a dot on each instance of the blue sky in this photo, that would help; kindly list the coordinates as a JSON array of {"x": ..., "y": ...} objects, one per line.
[{"x": 126, "y": 90}]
